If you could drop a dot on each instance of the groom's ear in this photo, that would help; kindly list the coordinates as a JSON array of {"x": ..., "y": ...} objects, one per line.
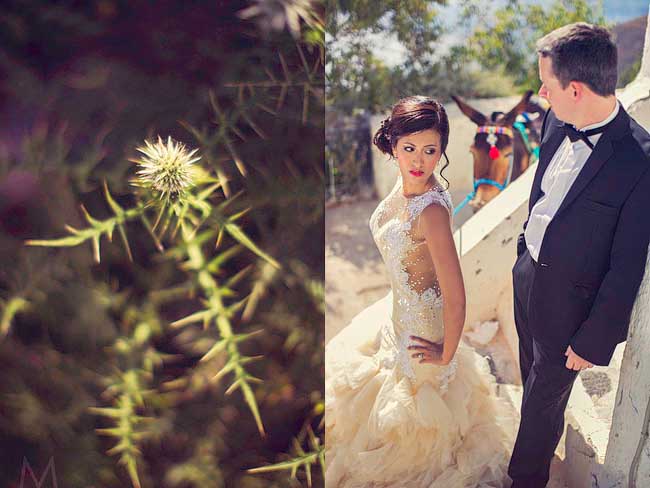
[
  {"x": 511, "y": 116},
  {"x": 474, "y": 115}
]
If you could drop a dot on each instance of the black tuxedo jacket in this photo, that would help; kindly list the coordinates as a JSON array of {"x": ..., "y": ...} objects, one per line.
[{"x": 593, "y": 254}]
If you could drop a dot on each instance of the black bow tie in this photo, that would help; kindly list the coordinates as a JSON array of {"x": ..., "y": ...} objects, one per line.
[{"x": 573, "y": 134}]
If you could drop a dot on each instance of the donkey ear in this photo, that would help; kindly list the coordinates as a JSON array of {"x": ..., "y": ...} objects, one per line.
[
  {"x": 474, "y": 115},
  {"x": 534, "y": 108},
  {"x": 511, "y": 116}
]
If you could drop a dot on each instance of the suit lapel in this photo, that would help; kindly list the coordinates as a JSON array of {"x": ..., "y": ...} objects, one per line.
[{"x": 547, "y": 149}]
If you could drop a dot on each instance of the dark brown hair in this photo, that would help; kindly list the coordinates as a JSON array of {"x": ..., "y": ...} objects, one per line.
[
  {"x": 582, "y": 52},
  {"x": 410, "y": 115}
]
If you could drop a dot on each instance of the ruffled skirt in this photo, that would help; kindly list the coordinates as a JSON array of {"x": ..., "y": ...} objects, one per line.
[{"x": 436, "y": 427}]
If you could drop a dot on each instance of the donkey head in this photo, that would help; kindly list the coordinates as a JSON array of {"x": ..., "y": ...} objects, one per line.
[{"x": 493, "y": 149}]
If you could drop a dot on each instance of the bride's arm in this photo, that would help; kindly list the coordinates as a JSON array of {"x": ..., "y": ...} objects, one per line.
[{"x": 435, "y": 224}]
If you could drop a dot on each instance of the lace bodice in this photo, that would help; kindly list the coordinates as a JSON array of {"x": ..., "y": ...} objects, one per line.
[{"x": 396, "y": 229}]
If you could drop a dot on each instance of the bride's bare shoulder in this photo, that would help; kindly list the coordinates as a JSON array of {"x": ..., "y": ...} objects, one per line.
[{"x": 434, "y": 219}]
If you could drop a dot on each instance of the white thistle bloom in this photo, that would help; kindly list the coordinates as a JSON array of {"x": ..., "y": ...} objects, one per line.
[{"x": 166, "y": 167}]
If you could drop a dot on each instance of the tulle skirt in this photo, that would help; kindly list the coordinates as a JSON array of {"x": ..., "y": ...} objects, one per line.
[{"x": 441, "y": 427}]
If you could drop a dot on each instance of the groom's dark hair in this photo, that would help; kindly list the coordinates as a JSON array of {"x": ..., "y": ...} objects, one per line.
[{"x": 582, "y": 52}]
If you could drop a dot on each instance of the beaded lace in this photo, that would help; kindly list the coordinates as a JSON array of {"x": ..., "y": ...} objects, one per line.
[{"x": 417, "y": 298}]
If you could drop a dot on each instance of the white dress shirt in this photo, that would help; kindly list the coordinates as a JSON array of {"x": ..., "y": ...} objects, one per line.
[{"x": 562, "y": 171}]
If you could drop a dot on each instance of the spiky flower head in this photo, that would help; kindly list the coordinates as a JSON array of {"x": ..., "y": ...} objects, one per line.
[
  {"x": 275, "y": 14},
  {"x": 166, "y": 167}
]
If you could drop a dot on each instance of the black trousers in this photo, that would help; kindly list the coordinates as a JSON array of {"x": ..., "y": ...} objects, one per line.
[{"x": 547, "y": 386}]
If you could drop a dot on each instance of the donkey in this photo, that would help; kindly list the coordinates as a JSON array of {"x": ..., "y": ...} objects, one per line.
[{"x": 501, "y": 151}]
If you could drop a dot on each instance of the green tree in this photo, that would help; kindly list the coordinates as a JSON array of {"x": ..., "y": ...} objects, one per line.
[
  {"x": 508, "y": 42},
  {"x": 359, "y": 79},
  {"x": 356, "y": 77},
  {"x": 415, "y": 22}
]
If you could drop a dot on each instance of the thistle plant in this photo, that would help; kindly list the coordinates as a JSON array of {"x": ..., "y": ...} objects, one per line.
[
  {"x": 165, "y": 169},
  {"x": 275, "y": 14},
  {"x": 300, "y": 458},
  {"x": 174, "y": 187},
  {"x": 165, "y": 349},
  {"x": 10, "y": 308}
]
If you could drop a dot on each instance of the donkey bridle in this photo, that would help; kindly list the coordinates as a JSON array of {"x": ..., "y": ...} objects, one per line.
[{"x": 491, "y": 131}]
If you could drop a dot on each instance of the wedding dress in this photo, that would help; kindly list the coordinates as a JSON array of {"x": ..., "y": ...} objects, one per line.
[{"x": 391, "y": 421}]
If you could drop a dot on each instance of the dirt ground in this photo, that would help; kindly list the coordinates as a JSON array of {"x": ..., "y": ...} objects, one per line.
[{"x": 354, "y": 272}]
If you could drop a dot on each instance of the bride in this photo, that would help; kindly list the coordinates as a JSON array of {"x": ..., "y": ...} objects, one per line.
[{"x": 406, "y": 403}]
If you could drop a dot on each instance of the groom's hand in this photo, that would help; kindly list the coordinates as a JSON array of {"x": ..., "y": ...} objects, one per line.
[{"x": 575, "y": 362}]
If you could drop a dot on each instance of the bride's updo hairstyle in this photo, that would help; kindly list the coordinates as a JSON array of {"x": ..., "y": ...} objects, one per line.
[{"x": 410, "y": 115}]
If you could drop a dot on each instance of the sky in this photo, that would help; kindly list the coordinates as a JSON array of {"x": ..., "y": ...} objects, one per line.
[
  {"x": 622, "y": 10},
  {"x": 392, "y": 53}
]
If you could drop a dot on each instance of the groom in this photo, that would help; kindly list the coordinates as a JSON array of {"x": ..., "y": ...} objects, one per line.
[{"x": 581, "y": 257}]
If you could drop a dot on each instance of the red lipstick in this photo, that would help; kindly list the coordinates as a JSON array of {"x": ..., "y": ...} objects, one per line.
[{"x": 416, "y": 173}]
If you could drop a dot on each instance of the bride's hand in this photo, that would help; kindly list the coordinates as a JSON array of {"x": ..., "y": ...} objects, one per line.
[{"x": 427, "y": 351}]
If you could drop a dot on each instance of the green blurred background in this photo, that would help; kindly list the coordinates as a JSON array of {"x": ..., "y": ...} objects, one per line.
[{"x": 81, "y": 85}]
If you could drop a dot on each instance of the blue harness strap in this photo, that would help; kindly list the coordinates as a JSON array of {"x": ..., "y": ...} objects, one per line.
[
  {"x": 485, "y": 181},
  {"x": 477, "y": 183},
  {"x": 464, "y": 202}
]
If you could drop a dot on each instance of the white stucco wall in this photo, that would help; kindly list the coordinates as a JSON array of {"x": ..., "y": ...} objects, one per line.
[
  {"x": 629, "y": 427},
  {"x": 487, "y": 245},
  {"x": 627, "y": 460}
]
